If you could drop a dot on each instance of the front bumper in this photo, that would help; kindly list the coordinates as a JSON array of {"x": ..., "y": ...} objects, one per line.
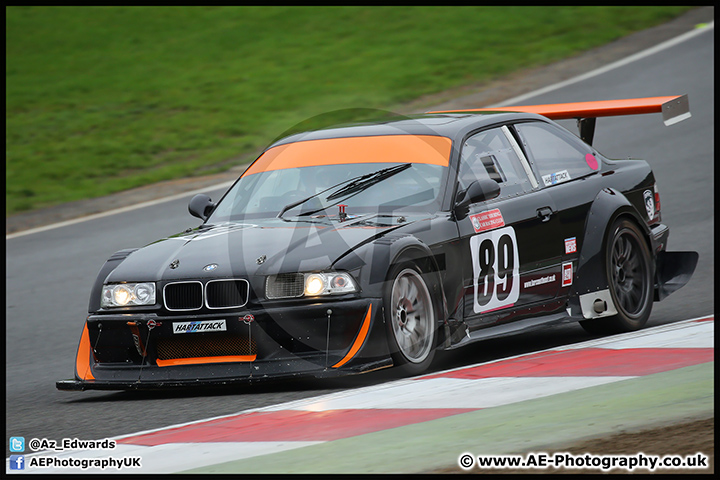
[{"x": 134, "y": 351}]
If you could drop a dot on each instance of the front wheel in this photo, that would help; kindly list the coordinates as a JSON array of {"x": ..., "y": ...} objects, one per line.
[
  {"x": 629, "y": 269},
  {"x": 411, "y": 320}
]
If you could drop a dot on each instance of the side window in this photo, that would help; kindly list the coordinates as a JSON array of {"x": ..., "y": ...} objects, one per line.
[
  {"x": 555, "y": 155},
  {"x": 488, "y": 154}
]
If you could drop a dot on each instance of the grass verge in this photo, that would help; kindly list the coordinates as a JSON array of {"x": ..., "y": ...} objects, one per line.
[{"x": 103, "y": 99}]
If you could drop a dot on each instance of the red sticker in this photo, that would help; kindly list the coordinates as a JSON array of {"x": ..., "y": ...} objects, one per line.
[
  {"x": 567, "y": 274},
  {"x": 570, "y": 245},
  {"x": 591, "y": 161},
  {"x": 485, "y": 221}
]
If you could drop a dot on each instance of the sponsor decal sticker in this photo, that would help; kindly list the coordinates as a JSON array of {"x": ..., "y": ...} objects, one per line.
[
  {"x": 591, "y": 161},
  {"x": 557, "y": 177},
  {"x": 485, "y": 221},
  {"x": 649, "y": 203},
  {"x": 570, "y": 245},
  {"x": 567, "y": 274},
  {"x": 496, "y": 270},
  {"x": 199, "y": 326},
  {"x": 539, "y": 281}
]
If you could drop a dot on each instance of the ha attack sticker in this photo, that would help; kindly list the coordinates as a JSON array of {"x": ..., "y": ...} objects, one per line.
[
  {"x": 555, "y": 178},
  {"x": 649, "y": 203},
  {"x": 489, "y": 220},
  {"x": 200, "y": 326},
  {"x": 496, "y": 270}
]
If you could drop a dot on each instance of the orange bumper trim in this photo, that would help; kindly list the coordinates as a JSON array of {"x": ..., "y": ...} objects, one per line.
[
  {"x": 359, "y": 340},
  {"x": 83, "y": 358},
  {"x": 199, "y": 360}
]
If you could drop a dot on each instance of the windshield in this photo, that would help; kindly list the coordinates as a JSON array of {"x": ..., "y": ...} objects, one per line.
[{"x": 324, "y": 191}]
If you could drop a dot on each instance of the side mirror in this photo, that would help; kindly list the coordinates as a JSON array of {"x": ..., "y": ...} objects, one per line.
[
  {"x": 201, "y": 206},
  {"x": 477, "y": 191}
]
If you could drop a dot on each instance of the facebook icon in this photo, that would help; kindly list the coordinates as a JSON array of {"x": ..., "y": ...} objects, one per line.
[{"x": 17, "y": 462}]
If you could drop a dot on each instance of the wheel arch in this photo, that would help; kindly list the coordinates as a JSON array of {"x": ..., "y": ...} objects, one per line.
[
  {"x": 609, "y": 206},
  {"x": 408, "y": 248},
  {"x": 413, "y": 259},
  {"x": 419, "y": 253},
  {"x": 110, "y": 264}
]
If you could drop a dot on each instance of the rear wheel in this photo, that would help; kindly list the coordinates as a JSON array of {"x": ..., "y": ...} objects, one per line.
[
  {"x": 630, "y": 273},
  {"x": 411, "y": 320}
]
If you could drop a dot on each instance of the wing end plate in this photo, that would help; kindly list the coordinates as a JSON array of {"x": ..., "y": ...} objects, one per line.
[{"x": 676, "y": 110}]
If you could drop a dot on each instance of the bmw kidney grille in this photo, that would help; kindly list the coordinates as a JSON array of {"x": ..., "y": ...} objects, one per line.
[{"x": 184, "y": 296}]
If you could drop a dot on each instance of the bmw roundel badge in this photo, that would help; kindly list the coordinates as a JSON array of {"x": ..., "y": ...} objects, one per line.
[{"x": 211, "y": 267}]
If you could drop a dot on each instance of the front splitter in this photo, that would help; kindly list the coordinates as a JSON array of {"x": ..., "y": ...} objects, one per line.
[{"x": 80, "y": 385}]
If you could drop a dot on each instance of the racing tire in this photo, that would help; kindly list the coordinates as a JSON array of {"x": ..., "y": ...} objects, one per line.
[
  {"x": 410, "y": 317},
  {"x": 630, "y": 271}
]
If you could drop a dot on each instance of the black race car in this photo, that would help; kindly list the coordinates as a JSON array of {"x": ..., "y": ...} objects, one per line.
[{"x": 350, "y": 249}]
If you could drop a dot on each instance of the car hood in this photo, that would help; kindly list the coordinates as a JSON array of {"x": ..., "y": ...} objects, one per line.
[{"x": 265, "y": 247}]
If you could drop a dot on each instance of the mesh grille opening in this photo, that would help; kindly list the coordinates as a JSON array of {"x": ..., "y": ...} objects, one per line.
[
  {"x": 285, "y": 285},
  {"x": 195, "y": 346}
]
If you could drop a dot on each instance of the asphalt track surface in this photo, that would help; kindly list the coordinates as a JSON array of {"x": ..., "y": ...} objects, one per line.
[
  {"x": 49, "y": 274},
  {"x": 537, "y": 402}
]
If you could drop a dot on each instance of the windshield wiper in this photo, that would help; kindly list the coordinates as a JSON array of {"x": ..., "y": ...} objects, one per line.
[
  {"x": 300, "y": 202},
  {"x": 355, "y": 184},
  {"x": 368, "y": 180}
]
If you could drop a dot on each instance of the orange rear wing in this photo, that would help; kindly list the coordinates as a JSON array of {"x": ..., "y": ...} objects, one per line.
[{"x": 674, "y": 109}]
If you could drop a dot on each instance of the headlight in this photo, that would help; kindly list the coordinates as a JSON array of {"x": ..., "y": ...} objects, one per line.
[
  {"x": 128, "y": 294},
  {"x": 295, "y": 285},
  {"x": 328, "y": 284},
  {"x": 314, "y": 284}
]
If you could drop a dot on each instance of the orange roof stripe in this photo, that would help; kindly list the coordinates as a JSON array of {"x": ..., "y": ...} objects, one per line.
[
  {"x": 603, "y": 108},
  {"x": 429, "y": 149}
]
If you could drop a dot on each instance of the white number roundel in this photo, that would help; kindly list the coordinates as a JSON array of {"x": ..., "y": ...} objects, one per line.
[{"x": 496, "y": 269}]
